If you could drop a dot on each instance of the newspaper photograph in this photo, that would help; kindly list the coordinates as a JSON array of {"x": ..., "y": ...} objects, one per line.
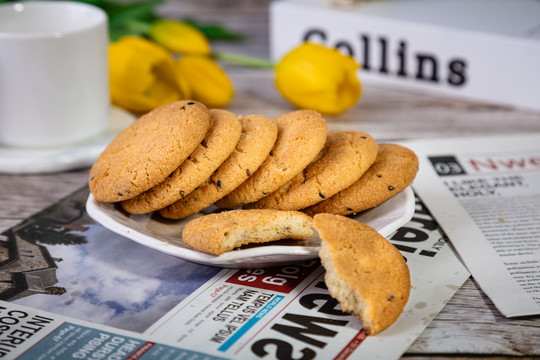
[
  {"x": 73, "y": 289},
  {"x": 485, "y": 194}
]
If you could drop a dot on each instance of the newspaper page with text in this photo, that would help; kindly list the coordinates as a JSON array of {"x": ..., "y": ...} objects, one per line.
[
  {"x": 73, "y": 289},
  {"x": 485, "y": 194}
]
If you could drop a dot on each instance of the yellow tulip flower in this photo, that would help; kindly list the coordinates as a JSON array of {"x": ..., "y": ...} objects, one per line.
[
  {"x": 142, "y": 75},
  {"x": 320, "y": 78},
  {"x": 179, "y": 37},
  {"x": 208, "y": 82}
]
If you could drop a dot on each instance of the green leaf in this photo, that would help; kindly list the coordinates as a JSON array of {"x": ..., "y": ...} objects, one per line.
[
  {"x": 127, "y": 18},
  {"x": 244, "y": 60},
  {"x": 130, "y": 27},
  {"x": 137, "y": 11}
]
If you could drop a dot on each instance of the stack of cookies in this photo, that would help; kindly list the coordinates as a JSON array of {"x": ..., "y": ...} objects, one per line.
[
  {"x": 182, "y": 157},
  {"x": 281, "y": 178}
]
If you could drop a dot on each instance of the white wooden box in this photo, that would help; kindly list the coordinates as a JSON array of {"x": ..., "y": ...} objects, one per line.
[{"x": 484, "y": 50}]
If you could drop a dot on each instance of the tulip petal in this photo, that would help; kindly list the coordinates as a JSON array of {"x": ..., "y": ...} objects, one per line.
[
  {"x": 208, "y": 82},
  {"x": 316, "y": 77},
  {"x": 142, "y": 75},
  {"x": 179, "y": 37}
]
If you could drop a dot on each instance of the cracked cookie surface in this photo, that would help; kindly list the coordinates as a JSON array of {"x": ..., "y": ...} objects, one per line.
[
  {"x": 364, "y": 271},
  {"x": 148, "y": 151},
  {"x": 259, "y": 134},
  {"x": 301, "y": 136},
  {"x": 221, "y": 139},
  {"x": 344, "y": 158},
  {"x": 393, "y": 170}
]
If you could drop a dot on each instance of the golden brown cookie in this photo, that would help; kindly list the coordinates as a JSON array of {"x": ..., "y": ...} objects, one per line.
[
  {"x": 364, "y": 271},
  {"x": 344, "y": 158},
  {"x": 259, "y": 134},
  {"x": 393, "y": 170},
  {"x": 301, "y": 136},
  {"x": 219, "y": 142},
  {"x": 220, "y": 232},
  {"x": 148, "y": 151}
]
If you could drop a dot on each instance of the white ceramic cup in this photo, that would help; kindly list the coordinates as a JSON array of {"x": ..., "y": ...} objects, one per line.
[{"x": 54, "y": 81}]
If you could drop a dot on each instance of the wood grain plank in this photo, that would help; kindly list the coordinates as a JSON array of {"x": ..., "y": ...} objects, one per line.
[
  {"x": 389, "y": 113},
  {"x": 470, "y": 324},
  {"x": 24, "y": 195}
]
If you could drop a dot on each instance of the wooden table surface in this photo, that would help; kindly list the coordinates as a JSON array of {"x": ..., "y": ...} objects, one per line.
[{"x": 469, "y": 326}]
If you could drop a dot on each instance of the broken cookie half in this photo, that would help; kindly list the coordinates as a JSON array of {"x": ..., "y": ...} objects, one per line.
[
  {"x": 364, "y": 271},
  {"x": 221, "y": 232}
]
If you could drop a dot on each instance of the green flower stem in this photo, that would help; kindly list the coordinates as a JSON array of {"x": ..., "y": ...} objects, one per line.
[
  {"x": 246, "y": 60},
  {"x": 129, "y": 27},
  {"x": 138, "y": 27}
]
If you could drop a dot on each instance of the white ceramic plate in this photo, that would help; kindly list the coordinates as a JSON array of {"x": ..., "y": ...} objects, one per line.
[
  {"x": 61, "y": 158},
  {"x": 165, "y": 235}
]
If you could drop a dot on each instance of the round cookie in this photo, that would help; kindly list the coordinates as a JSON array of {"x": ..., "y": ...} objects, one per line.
[
  {"x": 259, "y": 134},
  {"x": 364, "y": 271},
  {"x": 344, "y": 158},
  {"x": 393, "y": 170},
  {"x": 148, "y": 151},
  {"x": 219, "y": 142},
  {"x": 220, "y": 232},
  {"x": 301, "y": 136}
]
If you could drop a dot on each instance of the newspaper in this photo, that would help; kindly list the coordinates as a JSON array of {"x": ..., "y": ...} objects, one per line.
[
  {"x": 72, "y": 289},
  {"x": 485, "y": 193}
]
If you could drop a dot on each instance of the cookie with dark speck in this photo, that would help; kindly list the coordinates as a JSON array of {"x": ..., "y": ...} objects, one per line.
[
  {"x": 364, "y": 271},
  {"x": 259, "y": 134},
  {"x": 344, "y": 159},
  {"x": 393, "y": 170},
  {"x": 148, "y": 151},
  {"x": 301, "y": 136},
  {"x": 218, "y": 144}
]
